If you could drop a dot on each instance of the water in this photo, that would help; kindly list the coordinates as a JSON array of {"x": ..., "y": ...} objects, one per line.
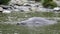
[{"x": 33, "y": 21}]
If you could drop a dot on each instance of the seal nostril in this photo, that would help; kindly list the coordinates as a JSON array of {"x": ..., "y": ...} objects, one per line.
[{"x": 18, "y": 24}]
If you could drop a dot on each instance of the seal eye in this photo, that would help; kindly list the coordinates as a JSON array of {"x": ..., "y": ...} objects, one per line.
[{"x": 23, "y": 23}]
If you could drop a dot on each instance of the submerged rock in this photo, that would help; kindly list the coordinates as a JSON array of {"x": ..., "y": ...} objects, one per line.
[{"x": 37, "y": 21}]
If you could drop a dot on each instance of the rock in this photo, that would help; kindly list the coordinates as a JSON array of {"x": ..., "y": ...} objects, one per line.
[
  {"x": 37, "y": 21},
  {"x": 33, "y": 9},
  {"x": 6, "y": 7},
  {"x": 57, "y": 1},
  {"x": 19, "y": 2},
  {"x": 16, "y": 10},
  {"x": 42, "y": 9},
  {"x": 1, "y": 9},
  {"x": 56, "y": 9},
  {"x": 32, "y": 4},
  {"x": 23, "y": 8},
  {"x": 6, "y": 11}
]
